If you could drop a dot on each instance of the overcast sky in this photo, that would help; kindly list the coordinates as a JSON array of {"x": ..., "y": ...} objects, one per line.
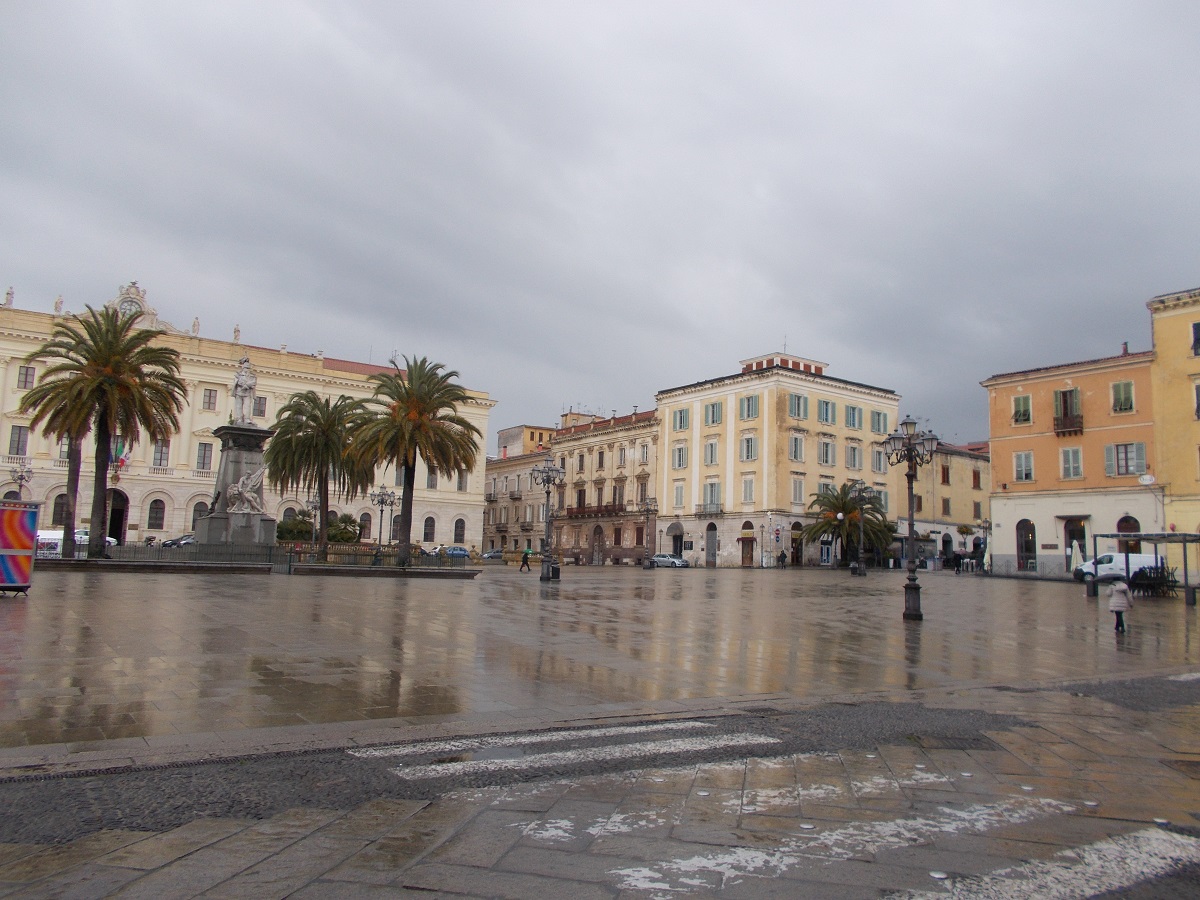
[{"x": 578, "y": 205}]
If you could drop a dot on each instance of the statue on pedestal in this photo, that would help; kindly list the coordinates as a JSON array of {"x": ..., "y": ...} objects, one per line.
[{"x": 243, "y": 394}]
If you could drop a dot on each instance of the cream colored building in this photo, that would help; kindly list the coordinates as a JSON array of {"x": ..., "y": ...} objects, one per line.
[
  {"x": 163, "y": 488},
  {"x": 741, "y": 456},
  {"x": 605, "y": 507}
]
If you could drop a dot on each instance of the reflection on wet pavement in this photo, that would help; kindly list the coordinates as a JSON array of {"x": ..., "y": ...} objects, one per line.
[{"x": 97, "y": 656}]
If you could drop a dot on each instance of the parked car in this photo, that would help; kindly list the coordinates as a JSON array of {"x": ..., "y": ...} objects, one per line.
[
  {"x": 457, "y": 552},
  {"x": 494, "y": 554},
  {"x": 668, "y": 560},
  {"x": 1109, "y": 566},
  {"x": 183, "y": 540}
]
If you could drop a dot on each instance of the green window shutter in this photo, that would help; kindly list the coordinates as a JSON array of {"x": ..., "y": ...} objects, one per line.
[
  {"x": 1110, "y": 460},
  {"x": 1139, "y": 458},
  {"x": 1058, "y": 403}
]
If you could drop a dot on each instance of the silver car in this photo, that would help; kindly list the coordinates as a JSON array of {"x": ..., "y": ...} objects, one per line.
[{"x": 668, "y": 560}]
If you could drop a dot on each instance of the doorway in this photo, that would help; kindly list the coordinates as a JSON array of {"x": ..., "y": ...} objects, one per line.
[
  {"x": 118, "y": 512},
  {"x": 1026, "y": 546},
  {"x": 710, "y": 546},
  {"x": 597, "y": 546}
]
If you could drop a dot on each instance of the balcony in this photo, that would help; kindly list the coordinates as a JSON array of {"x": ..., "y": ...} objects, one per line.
[
  {"x": 1071, "y": 424},
  {"x": 502, "y": 527},
  {"x": 527, "y": 526},
  {"x": 489, "y": 497},
  {"x": 710, "y": 510},
  {"x": 203, "y": 473},
  {"x": 514, "y": 495},
  {"x": 584, "y": 512}
]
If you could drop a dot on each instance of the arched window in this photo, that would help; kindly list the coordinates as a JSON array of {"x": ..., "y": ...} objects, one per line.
[
  {"x": 429, "y": 530},
  {"x": 59, "y": 514},
  {"x": 395, "y": 529},
  {"x": 12, "y": 495},
  {"x": 1127, "y": 525},
  {"x": 199, "y": 511},
  {"x": 157, "y": 515},
  {"x": 1026, "y": 546},
  {"x": 331, "y": 516},
  {"x": 364, "y": 526},
  {"x": 460, "y": 530},
  {"x": 289, "y": 512}
]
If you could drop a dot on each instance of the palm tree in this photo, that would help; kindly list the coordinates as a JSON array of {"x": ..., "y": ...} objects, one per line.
[
  {"x": 106, "y": 371},
  {"x": 56, "y": 402},
  {"x": 838, "y": 512},
  {"x": 310, "y": 449},
  {"x": 414, "y": 414}
]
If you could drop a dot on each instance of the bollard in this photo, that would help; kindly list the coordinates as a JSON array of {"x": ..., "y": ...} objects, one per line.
[
  {"x": 1189, "y": 596},
  {"x": 1092, "y": 587}
]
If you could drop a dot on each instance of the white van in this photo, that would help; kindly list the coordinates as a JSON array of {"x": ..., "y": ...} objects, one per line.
[
  {"x": 1107, "y": 566},
  {"x": 49, "y": 543}
]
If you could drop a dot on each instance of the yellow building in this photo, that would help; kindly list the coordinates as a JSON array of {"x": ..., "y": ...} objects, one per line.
[
  {"x": 741, "y": 457},
  {"x": 1072, "y": 454},
  {"x": 950, "y": 496},
  {"x": 162, "y": 488},
  {"x": 1175, "y": 325},
  {"x": 514, "y": 513}
]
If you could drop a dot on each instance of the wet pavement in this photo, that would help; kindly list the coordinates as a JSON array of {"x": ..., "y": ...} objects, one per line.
[{"x": 629, "y": 733}]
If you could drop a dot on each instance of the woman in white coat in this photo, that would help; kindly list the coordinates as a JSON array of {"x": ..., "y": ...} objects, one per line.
[{"x": 1120, "y": 601}]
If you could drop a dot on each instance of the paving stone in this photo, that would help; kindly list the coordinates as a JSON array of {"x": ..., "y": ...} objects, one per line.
[
  {"x": 161, "y": 849},
  {"x": 50, "y": 861},
  {"x": 490, "y": 883},
  {"x": 285, "y": 872},
  {"x": 373, "y": 819},
  {"x": 483, "y": 840},
  {"x": 89, "y": 881}
]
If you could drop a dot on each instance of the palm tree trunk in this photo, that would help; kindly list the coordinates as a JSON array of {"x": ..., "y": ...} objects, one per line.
[
  {"x": 323, "y": 525},
  {"x": 74, "y": 464},
  {"x": 404, "y": 544},
  {"x": 98, "y": 527}
]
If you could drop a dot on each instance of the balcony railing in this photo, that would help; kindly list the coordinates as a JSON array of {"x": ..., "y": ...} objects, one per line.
[
  {"x": 527, "y": 526},
  {"x": 489, "y": 497},
  {"x": 583, "y": 512},
  {"x": 514, "y": 495},
  {"x": 710, "y": 509},
  {"x": 203, "y": 473},
  {"x": 1072, "y": 424},
  {"x": 502, "y": 526}
]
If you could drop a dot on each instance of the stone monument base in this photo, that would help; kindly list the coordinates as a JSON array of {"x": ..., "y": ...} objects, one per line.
[
  {"x": 242, "y": 528},
  {"x": 241, "y": 455}
]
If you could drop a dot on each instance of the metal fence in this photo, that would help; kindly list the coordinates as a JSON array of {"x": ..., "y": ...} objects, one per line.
[{"x": 288, "y": 555}]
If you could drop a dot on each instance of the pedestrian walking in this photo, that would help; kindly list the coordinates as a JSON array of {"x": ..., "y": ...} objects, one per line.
[
  {"x": 1120, "y": 601},
  {"x": 783, "y": 559},
  {"x": 957, "y": 563},
  {"x": 525, "y": 567}
]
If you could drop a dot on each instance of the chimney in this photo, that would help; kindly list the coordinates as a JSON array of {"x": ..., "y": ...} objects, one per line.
[{"x": 1125, "y": 348}]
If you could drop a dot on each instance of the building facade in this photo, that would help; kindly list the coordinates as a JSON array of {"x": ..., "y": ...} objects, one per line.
[
  {"x": 514, "y": 515},
  {"x": 1073, "y": 451},
  {"x": 1175, "y": 325},
  {"x": 159, "y": 490},
  {"x": 951, "y": 500},
  {"x": 741, "y": 457},
  {"x": 605, "y": 511}
]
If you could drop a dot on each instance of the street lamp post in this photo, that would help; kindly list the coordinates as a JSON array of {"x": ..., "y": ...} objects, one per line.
[
  {"x": 914, "y": 448},
  {"x": 549, "y": 476},
  {"x": 382, "y": 498},
  {"x": 22, "y": 475}
]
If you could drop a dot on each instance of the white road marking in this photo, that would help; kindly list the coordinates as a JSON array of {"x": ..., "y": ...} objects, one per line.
[
  {"x": 1107, "y": 865},
  {"x": 521, "y": 740},
  {"x": 625, "y": 752},
  {"x": 1187, "y": 676},
  {"x": 824, "y": 847}
]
